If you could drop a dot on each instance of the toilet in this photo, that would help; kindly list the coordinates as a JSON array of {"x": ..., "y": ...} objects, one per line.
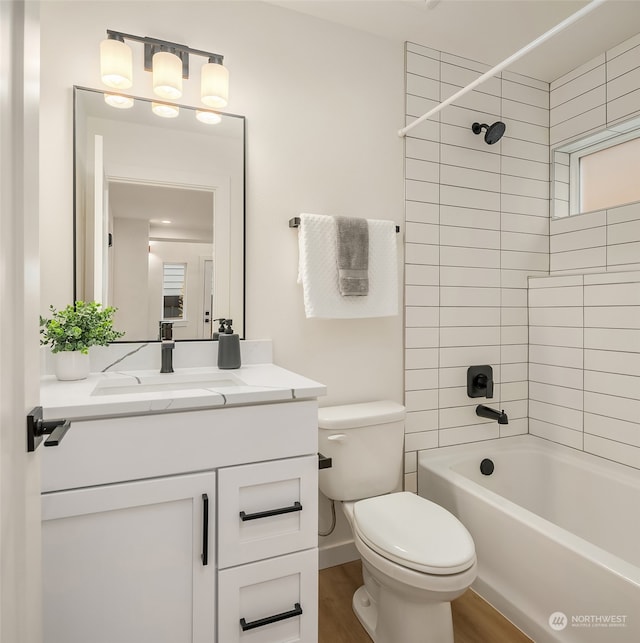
[{"x": 416, "y": 556}]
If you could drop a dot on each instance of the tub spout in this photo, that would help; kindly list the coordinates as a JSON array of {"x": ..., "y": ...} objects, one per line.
[{"x": 486, "y": 412}]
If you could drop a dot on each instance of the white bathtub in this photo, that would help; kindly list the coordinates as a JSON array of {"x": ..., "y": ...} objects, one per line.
[{"x": 556, "y": 530}]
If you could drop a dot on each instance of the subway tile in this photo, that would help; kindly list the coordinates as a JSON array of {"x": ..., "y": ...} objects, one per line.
[
  {"x": 420, "y": 316},
  {"x": 512, "y": 372},
  {"x": 419, "y": 358},
  {"x": 469, "y": 218},
  {"x": 469, "y": 355},
  {"x": 423, "y": 65},
  {"x": 421, "y": 440},
  {"x": 525, "y": 94},
  {"x": 421, "y": 379},
  {"x": 463, "y": 296},
  {"x": 579, "y": 259},
  {"x": 416, "y": 274},
  {"x": 518, "y": 426},
  {"x": 513, "y": 297},
  {"x": 612, "y": 295},
  {"x": 469, "y": 257},
  {"x": 513, "y": 166},
  {"x": 623, "y": 84},
  {"x": 623, "y": 213},
  {"x": 469, "y": 237},
  {"x": 627, "y": 340},
  {"x": 411, "y": 462},
  {"x": 518, "y": 260},
  {"x": 613, "y": 429},
  {"x": 595, "y": 62},
  {"x": 591, "y": 121},
  {"x": 411, "y": 482},
  {"x": 612, "y": 362},
  {"x": 421, "y": 400},
  {"x": 524, "y": 242},
  {"x": 461, "y": 137},
  {"x": 469, "y": 178},
  {"x": 611, "y": 450},
  {"x": 421, "y": 191},
  {"x": 525, "y": 205},
  {"x": 467, "y": 63},
  {"x": 579, "y": 240},
  {"x": 557, "y": 395},
  {"x": 422, "y": 212},
  {"x": 517, "y": 278},
  {"x": 422, "y": 295},
  {"x": 514, "y": 316},
  {"x": 621, "y": 408},
  {"x": 556, "y": 375},
  {"x": 553, "y": 414},
  {"x": 623, "y": 107},
  {"x": 423, "y": 87},
  {"x": 556, "y": 356},
  {"x": 461, "y": 276},
  {"x": 514, "y": 354},
  {"x": 524, "y": 150},
  {"x": 474, "y": 433},
  {"x": 556, "y": 433},
  {"x": 462, "y": 76},
  {"x": 421, "y": 337},
  {"x": 423, "y": 51},
  {"x": 428, "y": 130},
  {"x": 512, "y": 391},
  {"x": 555, "y": 281},
  {"x": 459, "y": 316},
  {"x": 566, "y": 296},
  {"x": 525, "y": 187},
  {"x": 515, "y": 409},
  {"x": 470, "y": 336},
  {"x": 422, "y": 233},
  {"x": 527, "y": 81},
  {"x": 530, "y": 132},
  {"x": 420, "y": 422},
  {"x": 574, "y": 107},
  {"x": 623, "y": 47},
  {"x": 556, "y": 336},
  {"x": 557, "y": 316},
  {"x": 524, "y": 223},
  {"x": 421, "y": 253},
  {"x": 612, "y": 317},
  {"x": 514, "y": 335},
  {"x": 578, "y": 222},
  {"x": 623, "y": 254},
  {"x": 623, "y": 232},
  {"x": 468, "y": 198},
  {"x": 469, "y": 158},
  {"x": 485, "y": 104},
  {"x": 525, "y": 112},
  {"x": 573, "y": 90},
  {"x": 419, "y": 170},
  {"x": 612, "y": 384},
  {"x": 456, "y": 416},
  {"x": 417, "y": 148}
]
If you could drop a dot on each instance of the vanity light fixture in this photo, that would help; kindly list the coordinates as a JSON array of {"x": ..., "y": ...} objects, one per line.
[
  {"x": 169, "y": 62},
  {"x": 118, "y": 100},
  {"x": 210, "y": 118},
  {"x": 166, "y": 110}
]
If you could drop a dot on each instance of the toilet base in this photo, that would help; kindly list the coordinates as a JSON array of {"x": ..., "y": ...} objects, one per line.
[{"x": 365, "y": 610}]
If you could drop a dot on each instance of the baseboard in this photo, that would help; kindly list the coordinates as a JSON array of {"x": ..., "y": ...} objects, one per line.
[{"x": 337, "y": 554}]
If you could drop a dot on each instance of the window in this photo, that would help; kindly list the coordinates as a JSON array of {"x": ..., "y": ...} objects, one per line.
[{"x": 173, "y": 286}]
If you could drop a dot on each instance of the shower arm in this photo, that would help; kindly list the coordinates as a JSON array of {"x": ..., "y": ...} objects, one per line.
[{"x": 505, "y": 63}]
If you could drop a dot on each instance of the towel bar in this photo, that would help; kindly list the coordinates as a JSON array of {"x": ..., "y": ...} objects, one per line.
[{"x": 295, "y": 223}]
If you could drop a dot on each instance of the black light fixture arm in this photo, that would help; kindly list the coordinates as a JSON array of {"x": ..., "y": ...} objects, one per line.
[{"x": 154, "y": 45}]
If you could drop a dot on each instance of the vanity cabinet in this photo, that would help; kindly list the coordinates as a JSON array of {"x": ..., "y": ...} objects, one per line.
[{"x": 133, "y": 508}]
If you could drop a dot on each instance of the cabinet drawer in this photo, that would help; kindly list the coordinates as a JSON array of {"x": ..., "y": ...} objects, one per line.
[
  {"x": 270, "y": 601},
  {"x": 267, "y": 509}
]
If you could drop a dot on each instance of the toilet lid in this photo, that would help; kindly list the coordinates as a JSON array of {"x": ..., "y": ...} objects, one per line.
[{"x": 415, "y": 533}]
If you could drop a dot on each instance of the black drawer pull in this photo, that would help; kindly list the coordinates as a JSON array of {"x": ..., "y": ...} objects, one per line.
[
  {"x": 205, "y": 529},
  {"x": 296, "y": 611},
  {"x": 271, "y": 512}
]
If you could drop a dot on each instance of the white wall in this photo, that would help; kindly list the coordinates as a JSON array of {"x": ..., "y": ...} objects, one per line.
[{"x": 323, "y": 106}]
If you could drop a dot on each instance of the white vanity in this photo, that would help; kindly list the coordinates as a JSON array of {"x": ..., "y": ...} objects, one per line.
[{"x": 182, "y": 509}]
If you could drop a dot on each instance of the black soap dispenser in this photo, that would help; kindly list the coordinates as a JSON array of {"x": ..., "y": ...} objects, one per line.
[
  {"x": 228, "y": 347},
  {"x": 220, "y": 330}
]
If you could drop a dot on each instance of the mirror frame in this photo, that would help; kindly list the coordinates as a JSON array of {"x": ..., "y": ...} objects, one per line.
[{"x": 240, "y": 329}]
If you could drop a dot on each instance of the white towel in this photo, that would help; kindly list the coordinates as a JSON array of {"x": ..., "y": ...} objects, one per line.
[{"x": 318, "y": 270}]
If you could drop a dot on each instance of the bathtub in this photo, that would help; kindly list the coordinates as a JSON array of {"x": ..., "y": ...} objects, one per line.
[{"x": 557, "y": 534}]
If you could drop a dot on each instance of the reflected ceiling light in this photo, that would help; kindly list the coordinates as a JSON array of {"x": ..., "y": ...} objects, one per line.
[
  {"x": 119, "y": 101},
  {"x": 166, "y": 110},
  {"x": 169, "y": 62},
  {"x": 210, "y": 118},
  {"x": 116, "y": 67},
  {"x": 214, "y": 83}
]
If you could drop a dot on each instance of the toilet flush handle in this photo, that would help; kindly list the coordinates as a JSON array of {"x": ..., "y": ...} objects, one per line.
[{"x": 337, "y": 437}]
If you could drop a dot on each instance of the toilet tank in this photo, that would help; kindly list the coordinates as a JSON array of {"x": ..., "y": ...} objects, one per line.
[{"x": 365, "y": 442}]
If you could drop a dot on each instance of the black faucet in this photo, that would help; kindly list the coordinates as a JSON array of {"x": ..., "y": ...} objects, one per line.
[
  {"x": 486, "y": 412},
  {"x": 166, "y": 346}
]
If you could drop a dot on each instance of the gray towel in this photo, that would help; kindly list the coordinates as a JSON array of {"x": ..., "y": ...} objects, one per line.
[{"x": 352, "y": 237}]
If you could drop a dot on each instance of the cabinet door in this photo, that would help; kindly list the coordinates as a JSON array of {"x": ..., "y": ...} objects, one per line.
[
  {"x": 270, "y": 601},
  {"x": 124, "y": 563},
  {"x": 267, "y": 509}
]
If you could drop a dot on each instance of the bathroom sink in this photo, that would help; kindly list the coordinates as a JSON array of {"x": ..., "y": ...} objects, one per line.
[{"x": 131, "y": 383}]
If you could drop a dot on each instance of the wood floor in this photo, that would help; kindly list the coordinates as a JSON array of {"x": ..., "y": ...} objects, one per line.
[{"x": 474, "y": 620}]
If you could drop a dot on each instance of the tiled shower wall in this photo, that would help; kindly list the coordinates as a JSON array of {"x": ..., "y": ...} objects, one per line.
[
  {"x": 477, "y": 225},
  {"x": 585, "y": 320}
]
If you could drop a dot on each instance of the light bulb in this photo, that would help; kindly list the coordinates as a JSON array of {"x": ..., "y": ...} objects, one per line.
[
  {"x": 116, "y": 67},
  {"x": 210, "y": 118},
  {"x": 214, "y": 85},
  {"x": 167, "y": 75},
  {"x": 116, "y": 100},
  {"x": 165, "y": 110}
]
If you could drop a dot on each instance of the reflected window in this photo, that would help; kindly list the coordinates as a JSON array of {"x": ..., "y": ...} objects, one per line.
[{"x": 174, "y": 277}]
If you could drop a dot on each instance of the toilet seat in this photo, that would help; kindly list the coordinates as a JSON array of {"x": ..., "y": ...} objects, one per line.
[{"x": 415, "y": 533}]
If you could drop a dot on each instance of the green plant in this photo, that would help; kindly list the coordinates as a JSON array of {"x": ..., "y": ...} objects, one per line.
[{"x": 78, "y": 327}]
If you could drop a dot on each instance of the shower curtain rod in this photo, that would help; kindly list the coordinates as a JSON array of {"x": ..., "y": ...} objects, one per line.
[{"x": 505, "y": 63}]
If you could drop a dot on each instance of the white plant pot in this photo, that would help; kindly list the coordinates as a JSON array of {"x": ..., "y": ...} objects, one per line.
[{"x": 71, "y": 365}]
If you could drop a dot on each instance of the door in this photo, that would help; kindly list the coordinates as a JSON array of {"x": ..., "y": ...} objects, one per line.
[
  {"x": 20, "y": 557},
  {"x": 131, "y": 562}
]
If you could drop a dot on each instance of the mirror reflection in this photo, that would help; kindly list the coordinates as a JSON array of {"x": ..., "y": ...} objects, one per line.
[{"x": 159, "y": 217}]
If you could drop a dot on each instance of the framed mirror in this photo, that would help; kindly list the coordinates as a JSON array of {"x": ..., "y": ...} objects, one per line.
[{"x": 159, "y": 215}]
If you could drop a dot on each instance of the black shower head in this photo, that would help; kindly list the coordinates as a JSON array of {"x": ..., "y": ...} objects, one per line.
[{"x": 494, "y": 132}]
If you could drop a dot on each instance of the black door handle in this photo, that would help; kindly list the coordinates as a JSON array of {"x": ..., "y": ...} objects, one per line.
[
  {"x": 296, "y": 611},
  {"x": 296, "y": 506},
  {"x": 205, "y": 529},
  {"x": 37, "y": 428}
]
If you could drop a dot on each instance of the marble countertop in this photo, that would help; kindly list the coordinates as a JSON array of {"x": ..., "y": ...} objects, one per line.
[{"x": 148, "y": 391}]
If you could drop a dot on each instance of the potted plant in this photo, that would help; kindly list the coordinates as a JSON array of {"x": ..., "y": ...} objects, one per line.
[{"x": 72, "y": 331}]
